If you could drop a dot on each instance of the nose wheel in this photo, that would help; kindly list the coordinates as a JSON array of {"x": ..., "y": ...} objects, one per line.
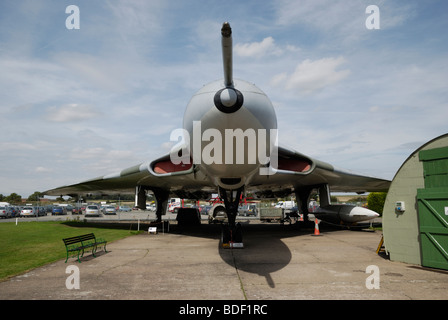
[
  {"x": 232, "y": 234},
  {"x": 232, "y": 237}
]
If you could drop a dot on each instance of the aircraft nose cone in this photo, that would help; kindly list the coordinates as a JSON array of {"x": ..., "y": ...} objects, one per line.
[
  {"x": 228, "y": 97},
  {"x": 364, "y": 212}
]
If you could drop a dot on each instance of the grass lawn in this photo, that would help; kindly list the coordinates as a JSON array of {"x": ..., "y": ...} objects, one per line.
[{"x": 31, "y": 244}]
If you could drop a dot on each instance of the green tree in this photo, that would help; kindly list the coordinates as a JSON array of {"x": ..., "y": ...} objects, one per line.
[
  {"x": 375, "y": 201},
  {"x": 14, "y": 198},
  {"x": 36, "y": 196}
]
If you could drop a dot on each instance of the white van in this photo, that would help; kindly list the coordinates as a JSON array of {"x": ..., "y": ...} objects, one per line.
[{"x": 285, "y": 204}]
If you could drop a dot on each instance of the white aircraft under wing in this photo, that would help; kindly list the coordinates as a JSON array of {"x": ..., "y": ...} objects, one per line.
[{"x": 229, "y": 144}]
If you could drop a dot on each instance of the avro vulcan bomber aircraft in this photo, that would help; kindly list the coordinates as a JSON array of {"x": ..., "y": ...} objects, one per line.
[{"x": 228, "y": 145}]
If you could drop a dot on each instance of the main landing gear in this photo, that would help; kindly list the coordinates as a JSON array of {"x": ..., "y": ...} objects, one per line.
[{"x": 232, "y": 235}]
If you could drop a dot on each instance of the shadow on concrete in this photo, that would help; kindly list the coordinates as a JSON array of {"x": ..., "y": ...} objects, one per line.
[{"x": 264, "y": 251}]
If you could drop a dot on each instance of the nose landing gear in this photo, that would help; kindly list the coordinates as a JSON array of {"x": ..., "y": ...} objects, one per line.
[{"x": 232, "y": 234}]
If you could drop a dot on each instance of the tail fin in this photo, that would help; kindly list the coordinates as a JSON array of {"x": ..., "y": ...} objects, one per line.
[{"x": 226, "y": 41}]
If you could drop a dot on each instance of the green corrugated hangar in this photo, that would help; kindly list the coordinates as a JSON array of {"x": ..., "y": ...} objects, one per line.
[{"x": 415, "y": 214}]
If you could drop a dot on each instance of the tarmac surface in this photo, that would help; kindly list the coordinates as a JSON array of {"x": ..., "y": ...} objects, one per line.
[{"x": 278, "y": 262}]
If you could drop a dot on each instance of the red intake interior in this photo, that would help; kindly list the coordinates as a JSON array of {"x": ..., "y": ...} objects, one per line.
[
  {"x": 296, "y": 165},
  {"x": 168, "y": 167}
]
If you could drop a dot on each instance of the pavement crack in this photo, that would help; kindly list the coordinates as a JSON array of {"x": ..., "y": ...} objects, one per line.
[{"x": 239, "y": 276}]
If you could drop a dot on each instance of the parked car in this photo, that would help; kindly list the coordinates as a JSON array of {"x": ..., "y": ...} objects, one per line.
[
  {"x": 92, "y": 210},
  {"x": 77, "y": 210},
  {"x": 29, "y": 212},
  {"x": 41, "y": 211},
  {"x": 5, "y": 212},
  {"x": 109, "y": 210},
  {"x": 124, "y": 208},
  {"x": 58, "y": 211},
  {"x": 248, "y": 210},
  {"x": 15, "y": 211}
]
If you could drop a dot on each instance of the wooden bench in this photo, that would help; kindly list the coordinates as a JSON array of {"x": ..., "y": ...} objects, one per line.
[{"x": 86, "y": 242}]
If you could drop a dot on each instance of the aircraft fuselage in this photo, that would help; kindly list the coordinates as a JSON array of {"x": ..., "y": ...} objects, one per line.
[{"x": 243, "y": 138}]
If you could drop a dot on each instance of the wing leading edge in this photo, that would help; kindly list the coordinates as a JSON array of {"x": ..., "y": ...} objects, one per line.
[{"x": 294, "y": 171}]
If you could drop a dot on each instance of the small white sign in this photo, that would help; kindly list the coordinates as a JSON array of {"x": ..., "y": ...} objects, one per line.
[
  {"x": 446, "y": 211},
  {"x": 152, "y": 230}
]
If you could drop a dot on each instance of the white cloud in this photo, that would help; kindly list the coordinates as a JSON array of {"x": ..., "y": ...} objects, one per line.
[
  {"x": 71, "y": 112},
  {"x": 310, "y": 76},
  {"x": 88, "y": 153},
  {"x": 42, "y": 170},
  {"x": 342, "y": 20},
  {"x": 253, "y": 49},
  {"x": 336, "y": 16},
  {"x": 100, "y": 71},
  {"x": 95, "y": 161},
  {"x": 99, "y": 154},
  {"x": 22, "y": 146},
  {"x": 138, "y": 17},
  {"x": 40, "y": 80}
]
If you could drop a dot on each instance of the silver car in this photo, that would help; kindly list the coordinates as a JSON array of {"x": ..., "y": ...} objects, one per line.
[
  {"x": 5, "y": 212},
  {"x": 124, "y": 208},
  {"x": 110, "y": 210},
  {"x": 92, "y": 210},
  {"x": 29, "y": 212}
]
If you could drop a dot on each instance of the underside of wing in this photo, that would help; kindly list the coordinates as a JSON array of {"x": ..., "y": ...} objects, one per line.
[
  {"x": 158, "y": 174},
  {"x": 295, "y": 171}
]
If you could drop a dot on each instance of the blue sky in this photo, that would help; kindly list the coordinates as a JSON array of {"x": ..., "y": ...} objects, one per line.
[{"x": 76, "y": 104}]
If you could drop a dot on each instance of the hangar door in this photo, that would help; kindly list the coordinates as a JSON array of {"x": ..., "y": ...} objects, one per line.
[{"x": 433, "y": 208}]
